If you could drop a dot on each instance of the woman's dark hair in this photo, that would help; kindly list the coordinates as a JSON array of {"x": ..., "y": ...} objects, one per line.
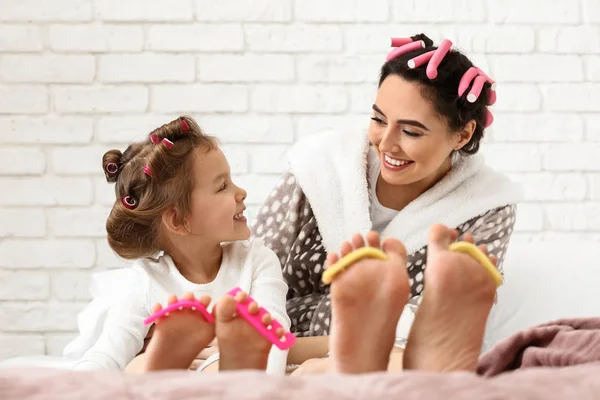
[{"x": 442, "y": 91}]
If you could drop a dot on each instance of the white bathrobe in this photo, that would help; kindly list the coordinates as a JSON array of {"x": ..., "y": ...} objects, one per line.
[{"x": 324, "y": 199}]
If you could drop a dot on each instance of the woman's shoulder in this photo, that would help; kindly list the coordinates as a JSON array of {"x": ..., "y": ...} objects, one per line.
[{"x": 497, "y": 222}]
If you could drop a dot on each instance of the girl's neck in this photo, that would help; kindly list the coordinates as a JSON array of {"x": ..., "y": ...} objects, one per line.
[
  {"x": 198, "y": 263},
  {"x": 397, "y": 197}
]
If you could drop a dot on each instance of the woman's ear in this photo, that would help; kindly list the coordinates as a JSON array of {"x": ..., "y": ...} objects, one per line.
[
  {"x": 463, "y": 137},
  {"x": 171, "y": 222}
]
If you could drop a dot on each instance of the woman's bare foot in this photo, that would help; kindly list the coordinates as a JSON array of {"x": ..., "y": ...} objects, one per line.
[
  {"x": 240, "y": 345},
  {"x": 449, "y": 325},
  {"x": 367, "y": 300},
  {"x": 179, "y": 337}
]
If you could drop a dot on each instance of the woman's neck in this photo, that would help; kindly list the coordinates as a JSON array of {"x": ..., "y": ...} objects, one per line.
[
  {"x": 397, "y": 197},
  {"x": 197, "y": 262}
]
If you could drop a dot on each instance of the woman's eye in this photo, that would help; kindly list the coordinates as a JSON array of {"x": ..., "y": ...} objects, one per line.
[
  {"x": 378, "y": 121},
  {"x": 413, "y": 134}
]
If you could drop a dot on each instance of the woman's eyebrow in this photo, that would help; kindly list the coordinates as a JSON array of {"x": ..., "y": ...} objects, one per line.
[{"x": 402, "y": 121}]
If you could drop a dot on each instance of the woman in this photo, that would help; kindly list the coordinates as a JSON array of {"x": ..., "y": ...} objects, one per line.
[{"x": 417, "y": 166}]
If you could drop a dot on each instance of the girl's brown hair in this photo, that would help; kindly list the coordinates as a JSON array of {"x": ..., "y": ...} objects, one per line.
[{"x": 133, "y": 226}]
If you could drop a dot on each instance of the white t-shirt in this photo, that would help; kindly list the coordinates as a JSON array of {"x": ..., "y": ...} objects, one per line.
[
  {"x": 380, "y": 216},
  {"x": 115, "y": 342}
]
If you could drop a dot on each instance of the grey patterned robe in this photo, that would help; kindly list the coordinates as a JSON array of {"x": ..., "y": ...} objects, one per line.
[{"x": 288, "y": 226}]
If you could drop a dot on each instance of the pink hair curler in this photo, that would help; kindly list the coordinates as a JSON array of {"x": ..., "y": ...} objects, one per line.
[
  {"x": 193, "y": 305},
  {"x": 420, "y": 60},
  {"x": 466, "y": 80},
  {"x": 286, "y": 341},
  {"x": 167, "y": 143},
  {"x": 154, "y": 138},
  {"x": 405, "y": 49},
  {"x": 129, "y": 202},
  {"x": 147, "y": 170},
  {"x": 184, "y": 126},
  {"x": 476, "y": 89},
  {"x": 437, "y": 58},
  {"x": 487, "y": 78},
  {"x": 491, "y": 97},
  {"x": 397, "y": 42},
  {"x": 112, "y": 168},
  {"x": 489, "y": 118}
]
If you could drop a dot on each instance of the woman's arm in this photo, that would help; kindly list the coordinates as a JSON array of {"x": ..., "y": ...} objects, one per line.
[
  {"x": 494, "y": 229},
  {"x": 307, "y": 348},
  {"x": 287, "y": 226},
  {"x": 279, "y": 221}
]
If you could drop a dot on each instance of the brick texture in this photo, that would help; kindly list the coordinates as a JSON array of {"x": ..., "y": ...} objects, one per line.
[{"x": 80, "y": 77}]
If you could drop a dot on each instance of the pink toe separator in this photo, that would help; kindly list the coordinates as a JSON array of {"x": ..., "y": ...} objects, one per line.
[
  {"x": 286, "y": 341},
  {"x": 179, "y": 305}
]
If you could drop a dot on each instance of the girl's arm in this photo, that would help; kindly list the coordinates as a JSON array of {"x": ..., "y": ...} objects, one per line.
[{"x": 123, "y": 332}]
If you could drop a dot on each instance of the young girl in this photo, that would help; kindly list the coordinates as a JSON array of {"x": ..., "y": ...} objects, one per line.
[{"x": 180, "y": 216}]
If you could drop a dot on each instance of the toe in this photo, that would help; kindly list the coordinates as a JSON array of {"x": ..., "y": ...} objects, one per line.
[
  {"x": 345, "y": 249},
  {"x": 396, "y": 247},
  {"x": 358, "y": 241},
  {"x": 279, "y": 332},
  {"x": 468, "y": 237},
  {"x": 204, "y": 300},
  {"x": 225, "y": 309},
  {"x": 483, "y": 248},
  {"x": 494, "y": 261},
  {"x": 267, "y": 319},
  {"x": 440, "y": 237},
  {"x": 172, "y": 299},
  {"x": 373, "y": 239},
  {"x": 253, "y": 308},
  {"x": 332, "y": 258},
  {"x": 241, "y": 297},
  {"x": 189, "y": 296},
  {"x": 157, "y": 307}
]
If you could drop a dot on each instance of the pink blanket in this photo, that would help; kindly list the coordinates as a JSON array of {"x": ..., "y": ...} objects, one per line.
[
  {"x": 579, "y": 382},
  {"x": 558, "y": 345},
  {"x": 554, "y": 344}
]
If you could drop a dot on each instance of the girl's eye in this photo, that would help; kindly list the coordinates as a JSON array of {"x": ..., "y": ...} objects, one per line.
[{"x": 223, "y": 187}]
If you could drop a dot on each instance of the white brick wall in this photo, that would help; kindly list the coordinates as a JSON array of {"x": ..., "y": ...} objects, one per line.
[{"x": 78, "y": 77}]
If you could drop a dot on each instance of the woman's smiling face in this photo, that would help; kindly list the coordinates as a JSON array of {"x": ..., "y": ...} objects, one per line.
[{"x": 413, "y": 143}]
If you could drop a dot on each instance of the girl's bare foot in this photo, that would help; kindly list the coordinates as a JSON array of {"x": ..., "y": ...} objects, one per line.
[
  {"x": 240, "y": 345},
  {"x": 367, "y": 300},
  {"x": 178, "y": 337},
  {"x": 449, "y": 325}
]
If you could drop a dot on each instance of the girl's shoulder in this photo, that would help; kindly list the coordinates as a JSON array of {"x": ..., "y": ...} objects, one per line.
[
  {"x": 247, "y": 252},
  {"x": 242, "y": 249}
]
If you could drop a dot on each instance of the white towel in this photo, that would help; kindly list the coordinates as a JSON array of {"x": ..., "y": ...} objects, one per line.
[{"x": 331, "y": 170}]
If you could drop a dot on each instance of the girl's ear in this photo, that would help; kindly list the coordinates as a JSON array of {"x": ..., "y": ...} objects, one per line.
[{"x": 170, "y": 220}]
